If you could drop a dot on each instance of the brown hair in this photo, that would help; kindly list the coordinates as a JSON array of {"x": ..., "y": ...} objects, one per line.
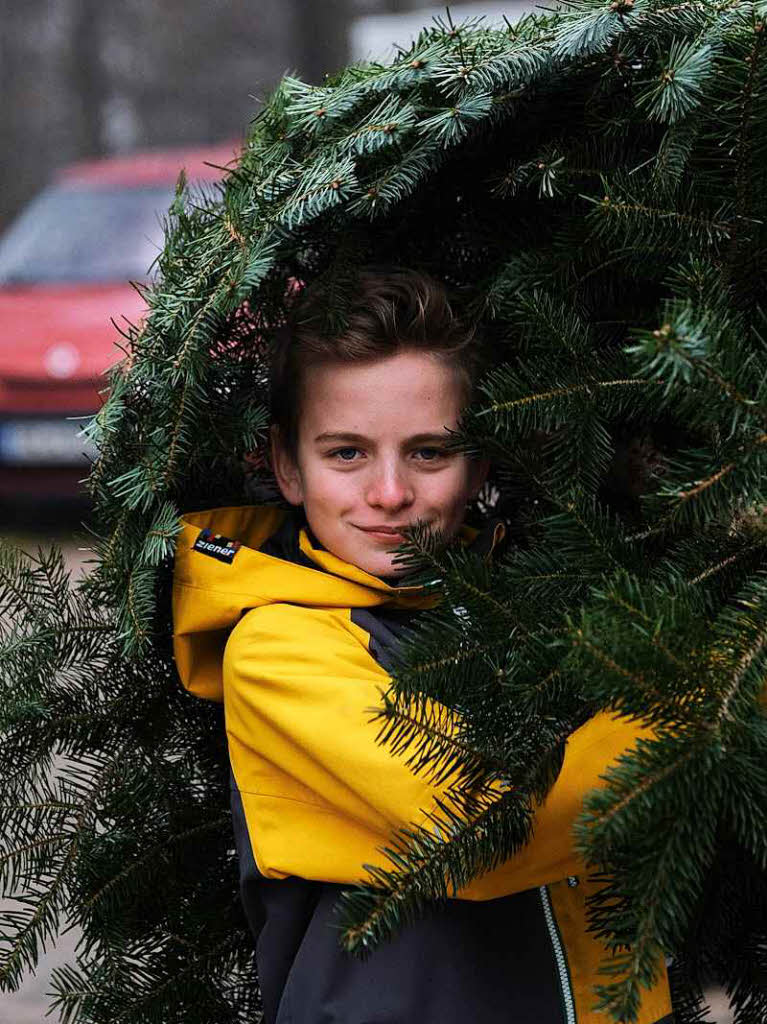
[{"x": 390, "y": 310}]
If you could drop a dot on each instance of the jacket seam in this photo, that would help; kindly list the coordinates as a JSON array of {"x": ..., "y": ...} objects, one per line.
[
  {"x": 330, "y": 811},
  {"x": 206, "y": 590},
  {"x": 279, "y": 796},
  {"x": 295, "y": 800}
]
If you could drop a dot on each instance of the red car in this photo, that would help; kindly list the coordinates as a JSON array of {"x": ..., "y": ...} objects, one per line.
[{"x": 65, "y": 267}]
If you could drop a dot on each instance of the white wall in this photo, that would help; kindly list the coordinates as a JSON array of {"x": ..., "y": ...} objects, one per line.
[{"x": 373, "y": 37}]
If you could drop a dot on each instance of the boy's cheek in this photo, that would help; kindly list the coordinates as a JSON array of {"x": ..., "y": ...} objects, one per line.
[{"x": 328, "y": 491}]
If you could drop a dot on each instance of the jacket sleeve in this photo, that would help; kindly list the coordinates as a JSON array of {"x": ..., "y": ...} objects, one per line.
[{"x": 298, "y": 686}]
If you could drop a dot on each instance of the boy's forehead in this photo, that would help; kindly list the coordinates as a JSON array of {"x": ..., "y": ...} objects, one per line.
[{"x": 413, "y": 391}]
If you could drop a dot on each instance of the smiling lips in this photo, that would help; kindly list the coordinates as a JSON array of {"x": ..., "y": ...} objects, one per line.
[{"x": 383, "y": 532}]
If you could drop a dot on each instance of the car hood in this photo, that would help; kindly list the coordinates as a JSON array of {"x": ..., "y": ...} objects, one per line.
[{"x": 52, "y": 333}]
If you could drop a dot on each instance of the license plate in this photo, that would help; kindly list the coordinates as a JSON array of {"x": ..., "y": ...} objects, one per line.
[{"x": 43, "y": 442}]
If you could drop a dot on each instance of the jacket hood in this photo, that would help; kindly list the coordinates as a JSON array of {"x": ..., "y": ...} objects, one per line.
[{"x": 229, "y": 560}]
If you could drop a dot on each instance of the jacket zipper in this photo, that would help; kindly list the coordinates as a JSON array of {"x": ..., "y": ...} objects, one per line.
[{"x": 568, "y": 1003}]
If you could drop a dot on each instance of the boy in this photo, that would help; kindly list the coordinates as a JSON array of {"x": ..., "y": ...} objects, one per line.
[{"x": 291, "y": 620}]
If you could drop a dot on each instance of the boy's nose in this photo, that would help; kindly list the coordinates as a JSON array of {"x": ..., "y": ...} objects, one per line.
[{"x": 389, "y": 489}]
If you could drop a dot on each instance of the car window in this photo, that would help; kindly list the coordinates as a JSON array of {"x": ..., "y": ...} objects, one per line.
[{"x": 85, "y": 234}]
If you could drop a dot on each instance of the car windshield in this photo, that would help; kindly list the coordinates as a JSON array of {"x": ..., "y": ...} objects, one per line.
[{"x": 83, "y": 234}]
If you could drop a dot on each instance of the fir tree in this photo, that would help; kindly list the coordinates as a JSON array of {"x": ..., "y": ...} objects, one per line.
[{"x": 590, "y": 183}]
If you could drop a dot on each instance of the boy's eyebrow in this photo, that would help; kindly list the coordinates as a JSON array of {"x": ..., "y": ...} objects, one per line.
[{"x": 361, "y": 439}]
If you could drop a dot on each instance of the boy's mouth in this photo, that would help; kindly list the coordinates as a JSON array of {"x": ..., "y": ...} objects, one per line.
[{"x": 383, "y": 532}]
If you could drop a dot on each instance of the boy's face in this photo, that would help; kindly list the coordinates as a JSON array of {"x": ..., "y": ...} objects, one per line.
[{"x": 371, "y": 455}]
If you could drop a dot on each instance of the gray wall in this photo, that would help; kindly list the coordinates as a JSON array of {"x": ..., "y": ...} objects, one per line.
[
  {"x": 82, "y": 78},
  {"x": 87, "y": 78}
]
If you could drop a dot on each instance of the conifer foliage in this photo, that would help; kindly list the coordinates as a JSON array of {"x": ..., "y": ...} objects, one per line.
[{"x": 590, "y": 183}]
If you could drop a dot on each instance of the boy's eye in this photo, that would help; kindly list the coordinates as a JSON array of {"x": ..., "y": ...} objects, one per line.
[
  {"x": 343, "y": 454},
  {"x": 424, "y": 454}
]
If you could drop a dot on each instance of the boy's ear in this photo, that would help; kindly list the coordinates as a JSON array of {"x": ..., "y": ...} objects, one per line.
[{"x": 285, "y": 469}]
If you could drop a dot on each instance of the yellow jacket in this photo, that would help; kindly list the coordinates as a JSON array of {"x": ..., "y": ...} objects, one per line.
[{"x": 286, "y": 644}]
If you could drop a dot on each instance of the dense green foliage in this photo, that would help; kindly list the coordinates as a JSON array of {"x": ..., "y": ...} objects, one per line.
[{"x": 591, "y": 185}]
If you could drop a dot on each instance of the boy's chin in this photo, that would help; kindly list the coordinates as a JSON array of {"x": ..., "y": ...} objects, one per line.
[{"x": 378, "y": 563}]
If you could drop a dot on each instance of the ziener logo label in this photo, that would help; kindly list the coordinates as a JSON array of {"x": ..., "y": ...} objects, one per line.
[{"x": 216, "y": 546}]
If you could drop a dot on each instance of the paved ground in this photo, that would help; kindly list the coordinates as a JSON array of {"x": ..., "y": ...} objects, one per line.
[{"x": 28, "y": 1006}]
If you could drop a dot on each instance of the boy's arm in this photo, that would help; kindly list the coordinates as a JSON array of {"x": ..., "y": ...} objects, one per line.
[
  {"x": 550, "y": 855},
  {"x": 298, "y": 684}
]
